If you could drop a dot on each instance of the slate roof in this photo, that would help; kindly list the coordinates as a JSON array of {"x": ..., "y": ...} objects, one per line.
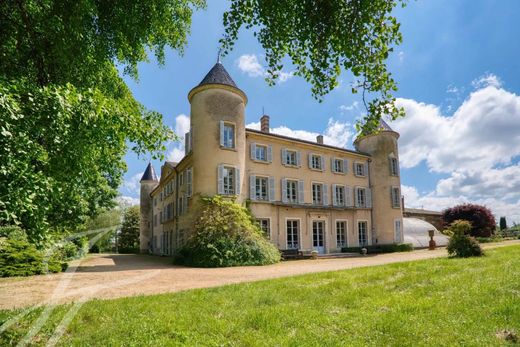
[
  {"x": 149, "y": 174},
  {"x": 218, "y": 75},
  {"x": 384, "y": 126}
]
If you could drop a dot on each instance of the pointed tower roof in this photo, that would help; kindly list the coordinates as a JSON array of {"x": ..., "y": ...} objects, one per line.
[
  {"x": 384, "y": 125},
  {"x": 218, "y": 75},
  {"x": 149, "y": 174}
]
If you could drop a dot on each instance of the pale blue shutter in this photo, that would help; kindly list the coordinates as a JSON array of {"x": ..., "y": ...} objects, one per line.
[
  {"x": 252, "y": 187},
  {"x": 189, "y": 180},
  {"x": 356, "y": 197},
  {"x": 253, "y": 151},
  {"x": 322, "y": 159},
  {"x": 348, "y": 196},
  {"x": 271, "y": 188},
  {"x": 310, "y": 161},
  {"x": 298, "y": 159},
  {"x": 325, "y": 194},
  {"x": 368, "y": 192},
  {"x": 237, "y": 183},
  {"x": 301, "y": 197},
  {"x": 284, "y": 190},
  {"x": 366, "y": 169},
  {"x": 345, "y": 165},
  {"x": 269, "y": 153},
  {"x": 284, "y": 156},
  {"x": 332, "y": 166},
  {"x": 334, "y": 196},
  {"x": 220, "y": 180},
  {"x": 222, "y": 133}
]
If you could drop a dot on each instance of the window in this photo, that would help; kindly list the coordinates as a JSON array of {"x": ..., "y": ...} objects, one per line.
[
  {"x": 160, "y": 217},
  {"x": 187, "y": 142},
  {"x": 317, "y": 193},
  {"x": 341, "y": 233},
  {"x": 339, "y": 165},
  {"x": 292, "y": 233},
  {"x": 315, "y": 162},
  {"x": 229, "y": 180},
  {"x": 339, "y": 195},
  {"x": 396, "y": 197},
  {"x": 363, "y": 233},
  {"x": 261, "y": 188},
  {"x": 227, "y": 135},
  {"x": 394, "y": 167},
  {"x": 361, "y": 197},
  {"x": 180, "y": 238},
  {"x": 398, "y": 231},
  {"x": 359, "y": 169},
  {"x": 180, "y": 205},
  {"x": 189, "y": 181},
  {"x": 155, "y": 201},
  {"x": 181, "y": 178},
  {"x": 292, "y": 191},
  {"x": 261, "y": 152},
  {"x": 290, "y": 157},
  {"x": 265, "y": 226}
]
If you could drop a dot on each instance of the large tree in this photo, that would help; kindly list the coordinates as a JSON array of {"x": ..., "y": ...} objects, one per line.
[{"x": 128, "y": 241}]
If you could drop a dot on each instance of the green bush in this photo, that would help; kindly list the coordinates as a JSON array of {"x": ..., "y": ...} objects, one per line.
[
  {"x": 461, "y": 244},
  {"x": 13, "y": 232},
  {"x": 391, "y": 248},
  {"x": 226, "y": 235}
]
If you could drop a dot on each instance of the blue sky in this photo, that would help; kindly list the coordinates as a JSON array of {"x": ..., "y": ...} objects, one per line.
[{"x": 458, "y": 71}]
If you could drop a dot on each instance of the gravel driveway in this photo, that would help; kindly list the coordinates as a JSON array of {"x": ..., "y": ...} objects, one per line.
[{"x": 117, "y": 275}]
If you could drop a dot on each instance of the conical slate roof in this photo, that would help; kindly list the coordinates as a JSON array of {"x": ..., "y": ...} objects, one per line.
[
  {"x": 149, "y": 174},
  {"x": 384, "y": 126},
  {"x": 218, "y": 75}
]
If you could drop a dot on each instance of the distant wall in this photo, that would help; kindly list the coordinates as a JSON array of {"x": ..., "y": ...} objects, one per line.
[{"x": 432, "y": 217}]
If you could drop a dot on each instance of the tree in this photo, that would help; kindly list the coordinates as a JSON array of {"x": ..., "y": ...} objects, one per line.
[
  {"x": 322, "y": 37},
  {"x": 503, "y": 223},
  {"x": 128, "y": 240},
  {"x": 482, "y": 220}
]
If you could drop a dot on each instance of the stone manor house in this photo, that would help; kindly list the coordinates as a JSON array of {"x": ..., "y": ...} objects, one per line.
[{"x": 305, "y": 195}]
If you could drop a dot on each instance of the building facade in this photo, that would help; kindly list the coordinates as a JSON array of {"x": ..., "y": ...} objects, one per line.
[{"x": 305, "y": 195}]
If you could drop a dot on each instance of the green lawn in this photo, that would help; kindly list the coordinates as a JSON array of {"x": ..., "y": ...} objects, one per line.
[{"x": 444, "y": 302}]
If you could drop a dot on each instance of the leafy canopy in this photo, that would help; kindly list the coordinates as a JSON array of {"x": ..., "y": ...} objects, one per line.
[{"x": 322, "y": 37}]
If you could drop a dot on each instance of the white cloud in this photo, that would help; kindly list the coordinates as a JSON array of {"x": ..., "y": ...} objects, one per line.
[
  {"x": 487, "y": 80},
  {"x": 132, "y": 186},
  {"x": 182, "y": 126},
  {"x": 336, "y": 134},
  {"x": 176, "y": 154},
  {"x": 351, "y": 107},
  {"x": 127, "y": 201},
  {"x": 401, "y": 56},
  {"x": 249, "y": 64}
]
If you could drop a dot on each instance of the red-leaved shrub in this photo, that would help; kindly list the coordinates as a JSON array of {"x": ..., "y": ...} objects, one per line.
[{"x": 482, "y": 220}]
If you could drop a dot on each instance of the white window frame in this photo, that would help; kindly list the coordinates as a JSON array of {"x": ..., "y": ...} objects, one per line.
[
  {"x": 394, "y": 166},
  {"x": 288, "y": 182},
  {"x": 227, "y": 187},
  {"x": 268, "y": 233},
  {"x": 361, "y": 165},
  {"x": 189, "y": 182},
  {"x": 398, "y": 232},
  {"x": 257, "y": 195},
  {"x": 298, "y": 232},
  {"x": 312, "y": 161},
  {"x": 345, "y": 231},
  {"x": 343, "y": 164},
  {"x": 361, "y": 202},
  {"x": 321, "y": 202},
  {"x": 395, "y": 196},
  {"x": 335, "y": 195},
  {"x": 367, "y": 237},
  {"x": 288, "y": 154},
  {"x": 224, "y": 141}
]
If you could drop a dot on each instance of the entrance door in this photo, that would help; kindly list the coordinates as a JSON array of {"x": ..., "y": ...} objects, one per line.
[{"x": 318, "y": 227}]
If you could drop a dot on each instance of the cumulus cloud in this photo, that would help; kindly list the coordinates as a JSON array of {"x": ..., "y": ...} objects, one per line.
[
  {"x": 182, "y": 126},
  {"x": 249, "y": 64},
  {"x": 487, "y": 80},
  {"x": 336, "y": 133},
  {"x": 349, "y": 108},
  {"x": 132, "y": 185}
]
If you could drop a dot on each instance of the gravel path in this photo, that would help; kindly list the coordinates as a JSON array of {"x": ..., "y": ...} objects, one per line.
[{"x": 116, "y": 275}]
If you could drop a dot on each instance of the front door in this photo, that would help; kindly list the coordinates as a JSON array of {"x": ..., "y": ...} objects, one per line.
[{"x": 318, "y": 227}]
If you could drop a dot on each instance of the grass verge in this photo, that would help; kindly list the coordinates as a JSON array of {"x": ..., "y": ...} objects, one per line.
[{"x": 431, "y": 302}]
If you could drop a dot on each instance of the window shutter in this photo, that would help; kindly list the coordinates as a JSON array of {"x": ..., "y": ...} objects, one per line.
[
  {"x": 334, "y": 196},
  {"x": 284, "y": 190},
  {"x": 252, "y": 187},
  {"x": 345, "y": 165},
  {"x": 269, "y": 153},
  {"x": 284, "y": 156},
  {"x": 390, "y": 166},
  {"x": 366, "y": 169},
  {"x": 298, "y": 159},
  {"x": 271, "y": 188},
  {"x": 348, "y": 197},
  {"x": 222, "y": 133},
  {"x": 392, "y": 194},
  {"x": 322, "y": 159},
  {"x": 310, "y": 161},
  {"x": 369, "y": 197},
  {"x": 189, "y": 178},
  {"x": 220, "y": 180},
  {"x": 186, "y": 143},
  {"x": 325, "y": 194},
  {"x": 301, "y": 197},
  {"x": 332, "y": 166},
  {"x": 253, "y": 151},
  {"x": 237, "y": 183},
  {"x": 185, "y": 205},
  {"x": 356, "y": 197}
]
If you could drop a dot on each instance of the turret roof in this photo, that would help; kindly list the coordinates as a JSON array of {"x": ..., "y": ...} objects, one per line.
[
  {"x": 149, "y": 174},
  {"x": 218, "y": 75}
]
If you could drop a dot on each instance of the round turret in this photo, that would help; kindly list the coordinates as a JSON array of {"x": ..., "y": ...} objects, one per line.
[
  {"x": 148, "y": 182},
  {"x": 385, "y": 183}
]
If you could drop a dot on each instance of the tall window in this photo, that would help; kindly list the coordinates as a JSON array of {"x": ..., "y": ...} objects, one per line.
[
  {"x": 315, "y": 162},
  {"x": 228, "y": 180},
  {"x": 339, "y": 195},
  {"x": 396, "y": 197},
  {"x": 341, "y": 234},
  {"x": 265, "y": 226},
  {"x": 317, "y": 194},
  {"x": 292, "y": 191},
  {"x": 291, "y": 158},
  {"x": 261, "y": 153},
  {"x": 359, "y": 169},
  {"x": 361, "y": 197},
  {"x": 261, "y": 188},
  {"x": 363, "y": 233},
  {"x": 394, "y": 167},
  {"x": 338, "y": 166},
  {"x": 229, "y": 136},
  {"x": 292, "y": 233},
  {"x": 398, "y": 231}
]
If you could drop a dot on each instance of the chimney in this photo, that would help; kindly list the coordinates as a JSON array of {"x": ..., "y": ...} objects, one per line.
[
  {"x": 319, "y": 139},
  {"x": 264, "y": 124}
]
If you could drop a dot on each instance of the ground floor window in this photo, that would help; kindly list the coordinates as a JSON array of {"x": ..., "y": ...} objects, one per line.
[
  {"x": 363, "y": 233},
  {"x": 398, "y": 231},
  {"x": 341, "y": 233},
  {"x": 293, "y": 228},
  {"x": 265, "y": 225},
  {"x": 318, "y": 230}
]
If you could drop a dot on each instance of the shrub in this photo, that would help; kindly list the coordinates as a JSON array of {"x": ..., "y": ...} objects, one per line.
[
  {"x": 226, "y": 235},
  {"x": 482, "y": 220},
  {"x": 461, "y": 244},
  {"x": 13, "y": 232}
]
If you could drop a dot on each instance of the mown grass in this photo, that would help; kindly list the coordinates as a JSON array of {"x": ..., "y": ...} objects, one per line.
[{"x": 424, "y": 303}]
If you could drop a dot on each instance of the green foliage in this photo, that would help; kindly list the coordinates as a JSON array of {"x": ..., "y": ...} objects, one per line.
[
  {"x": 226, "y": 235},
  {"x": 461, "y": 244},
  {"x": 323, "y": 37},
  {"x": 503, "y": 223},
  {"x": 128, "y": 240},
  {"x": 13, "y": 232},
  {"x": 481, "y": 218},
  {"x": 399, "y": 247},
  {"x": 107, "y": 219}
]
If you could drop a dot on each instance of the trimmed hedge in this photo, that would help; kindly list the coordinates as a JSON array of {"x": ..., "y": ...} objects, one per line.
[{"x": 391, "y": 248}]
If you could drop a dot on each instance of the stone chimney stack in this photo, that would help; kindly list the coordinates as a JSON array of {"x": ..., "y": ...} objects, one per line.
[
  {"x": 264, "y": 123},
  {"x": 319, "y": 139}
]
